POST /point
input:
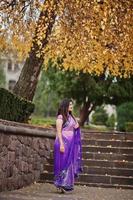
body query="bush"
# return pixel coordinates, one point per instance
(129, 126)
(14, 108)
(2, 77)
(100, 116)
(111, 121)
(124, 115)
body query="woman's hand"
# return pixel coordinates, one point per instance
(62, 148)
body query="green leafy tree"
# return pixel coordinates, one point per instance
(87, 91)
(120, 91)
(45, 99)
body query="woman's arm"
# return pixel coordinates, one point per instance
(59, 123)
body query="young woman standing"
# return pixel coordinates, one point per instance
(67, 148)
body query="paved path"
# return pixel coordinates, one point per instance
(40, 191)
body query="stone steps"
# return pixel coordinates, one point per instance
(107, 136)
(104, 156)
(107, 161)
(100, 170)
(107, 156)
(109, 149)
(96, 178)
(111, 143)
(101, 154)
(103, 185)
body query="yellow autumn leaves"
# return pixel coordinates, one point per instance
(90, 35)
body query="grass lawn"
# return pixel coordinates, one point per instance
(96, 127)
(43, 121)
(50, 122)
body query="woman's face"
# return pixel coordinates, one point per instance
(70, 108)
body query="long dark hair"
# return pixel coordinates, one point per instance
(63, 110)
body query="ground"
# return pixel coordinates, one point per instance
(41, 191)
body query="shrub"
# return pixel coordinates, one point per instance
(111, 121)
(129, 126)
(14, 108)
(100, 116)
(124, 115)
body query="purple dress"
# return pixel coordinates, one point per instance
(67, 165)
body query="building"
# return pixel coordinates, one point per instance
(12, 69)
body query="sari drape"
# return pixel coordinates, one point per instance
(68, 165)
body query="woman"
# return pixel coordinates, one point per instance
(67, 148)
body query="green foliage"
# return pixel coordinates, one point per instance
(120, 91)
(100, 116)
(49, 121)
(81, 86)
(56, 84)
(46, 98)
(14, 108)
(111, 121)
(96, 127)
(2, 76)
(129, 126)
(124, 115)
(76, 85)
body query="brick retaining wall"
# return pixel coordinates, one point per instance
(24, 150)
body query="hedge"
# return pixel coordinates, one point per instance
(124, 115)
(129, 126)
(99, 117)
(14, 108)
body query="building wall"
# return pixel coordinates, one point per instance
(12, 69)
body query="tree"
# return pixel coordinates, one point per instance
(45, 98)
(27, 82)
(103, 45)
(87, 91)
(120, 91)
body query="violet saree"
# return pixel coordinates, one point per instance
(68, 165)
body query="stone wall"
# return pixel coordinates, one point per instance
(24, 150)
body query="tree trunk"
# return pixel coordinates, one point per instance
(27, 82)
(85, 111)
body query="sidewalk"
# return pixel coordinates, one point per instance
(41, 191)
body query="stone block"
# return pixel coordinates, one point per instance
(11, 156)
(12, 145)
(41, 144)
(4, 151)
(6, 141)
(42, 152)
(18, 151)
(4, 163)
(35, 144)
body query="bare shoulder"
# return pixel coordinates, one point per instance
(59, 121)
(60, 117)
